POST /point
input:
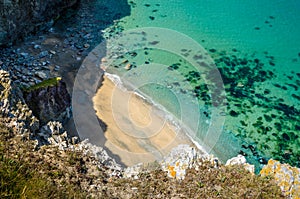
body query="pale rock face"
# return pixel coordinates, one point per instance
(236, 160)
(286, 176)
(19, 117)
(41, 75)
(133, 172)
(13, 108)
(240, 160)
(180, 158)
(100, 155)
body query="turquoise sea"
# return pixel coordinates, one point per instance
(255, 45)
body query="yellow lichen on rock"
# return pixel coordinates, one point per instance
(286, 176)
(171, 171)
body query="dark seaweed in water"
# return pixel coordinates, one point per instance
(151, 17)
(174, 66)
(250, 72)
(233, 113)
(293, 86)
(285, 137)
(268, 118)
(296, 97)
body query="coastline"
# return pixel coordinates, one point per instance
(136, 130)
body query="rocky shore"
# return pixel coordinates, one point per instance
(18, 20)
(38, 116)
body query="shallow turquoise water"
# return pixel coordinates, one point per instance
(256, 47)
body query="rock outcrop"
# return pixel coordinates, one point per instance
(13, 108)
(185, 157)
(50, 102)
(240, 160)
(20, 18)
(19, 117)
(286, 176)
(179, 159)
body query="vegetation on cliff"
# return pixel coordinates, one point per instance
(52, 173)
(48, 82)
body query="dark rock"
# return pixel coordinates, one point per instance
(18, 19)
(272, 63)
(174, 66)
(296, 96)
(278, 126)
(49, 103)
(242, 153)
(233, 113)
(293, 86)
(25, 55)
(285, 137)
(277, 85)
(151, 17)
(153, 42)
(263, 160)
(267, 118)
(243, 123)
(267, 91)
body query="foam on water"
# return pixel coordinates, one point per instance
(178, 126)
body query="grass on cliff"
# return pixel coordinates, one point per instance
(207, 182)
(26, 173)
(48, 82)
(22, 177)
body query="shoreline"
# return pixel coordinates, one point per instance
(141, 135)
(165, 113)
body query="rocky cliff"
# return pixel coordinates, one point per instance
(183, 173)
(50, 102)
(20, 18)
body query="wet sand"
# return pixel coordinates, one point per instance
(136, 131)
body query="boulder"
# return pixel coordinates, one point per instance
(179, 160)
(286, 176)
(240, 160)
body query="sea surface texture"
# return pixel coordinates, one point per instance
(255, 45)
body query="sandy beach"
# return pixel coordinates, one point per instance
(135, 130)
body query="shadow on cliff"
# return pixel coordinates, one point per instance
(85, 21)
